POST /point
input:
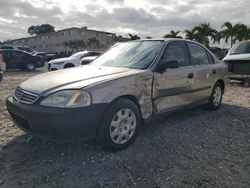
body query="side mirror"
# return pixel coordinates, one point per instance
(167, 64)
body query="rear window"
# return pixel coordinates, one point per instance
(240, 48)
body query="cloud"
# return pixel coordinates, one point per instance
(143, 17)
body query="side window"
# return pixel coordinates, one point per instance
(198, 54)
(210, 58)
(18, 54)
(6, 55)
(176, 51)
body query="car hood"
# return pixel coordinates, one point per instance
(237, 57)
(72, 78)
(61, 60)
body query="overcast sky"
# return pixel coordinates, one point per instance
(143, 17)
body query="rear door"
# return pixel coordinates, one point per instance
(17, 59)
(174, 87)
(7, 59)
(204, 72)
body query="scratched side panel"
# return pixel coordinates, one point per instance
(136, 83)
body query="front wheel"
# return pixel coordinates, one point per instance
(215, 98)
(30, 67)
(121, 124)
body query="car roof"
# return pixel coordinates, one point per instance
(166, 40)
(12, 50)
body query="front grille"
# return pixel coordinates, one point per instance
(22, 122)
(25, 96)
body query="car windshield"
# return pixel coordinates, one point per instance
(137, 54)
(78, 55)
(240, 48)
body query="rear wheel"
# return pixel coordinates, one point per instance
(246, 82)
(30, 67)
(215, 98)
(120, 125)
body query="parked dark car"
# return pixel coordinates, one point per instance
(46, 56)
(1, 65)
(16, 59)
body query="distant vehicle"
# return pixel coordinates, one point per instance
(16, 47)
(88, 60)
(16, 59)
(46, 56)
(238, 60)
(72, 61)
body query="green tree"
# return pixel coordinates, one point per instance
(204, 32)
(93, 43)
(229, 32)
(75, 45)
(120, 38)
(190, 34)
(133, 37)
(172, 34)
(40, 29)
(242, 32)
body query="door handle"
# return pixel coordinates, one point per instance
(190, 75)
(214, 71)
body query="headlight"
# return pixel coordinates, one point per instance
(68, 99)
(58, 63)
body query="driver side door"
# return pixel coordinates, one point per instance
(171, 88)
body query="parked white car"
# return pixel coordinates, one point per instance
(238, 60)
(72, 61)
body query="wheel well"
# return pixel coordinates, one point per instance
(130, 97)
(222, 84)
(68, 65)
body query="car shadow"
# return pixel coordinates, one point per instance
(163, 143)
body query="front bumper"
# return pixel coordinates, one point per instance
(238, 76)
(53, 67)
(56, 123)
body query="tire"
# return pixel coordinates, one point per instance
(69, 65)
(120, 125)
(216, 98)
(246, 83)
(30, 67)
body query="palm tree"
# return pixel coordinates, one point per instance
(204, 33)
(190, 34)
(229, 32)
(217, 36)
(133, 37)
(172, 34)
(242, 32)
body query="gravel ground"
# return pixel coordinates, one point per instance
(191, 148)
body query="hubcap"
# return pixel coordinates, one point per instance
(217, 96)
(30, 66)
(122, 126)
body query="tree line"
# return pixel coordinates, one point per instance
(204, 34)
(78, 44)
